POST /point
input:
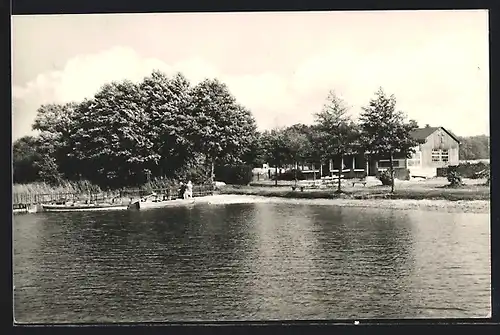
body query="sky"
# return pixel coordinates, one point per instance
(280, 65)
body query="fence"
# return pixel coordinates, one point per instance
(21, 200)
(40, 198)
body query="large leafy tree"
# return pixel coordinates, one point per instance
(255, 155)
(218, 127)
(274, 144)
(312, 152)
(165, 102)
(386, 132)
(55, 124)
(297, 145)
(337, 133)
(25, 156)
(161, 127)
(112, 138)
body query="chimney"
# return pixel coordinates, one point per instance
(427, 126)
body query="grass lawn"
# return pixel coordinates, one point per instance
(434, 188)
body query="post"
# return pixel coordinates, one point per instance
(353, 163)
(367, 162)
(276, 176)
(295, 173)
(212, 168)
(340, 172)
(392, 173)
(320, 169)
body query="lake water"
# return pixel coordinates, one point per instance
(250, 262)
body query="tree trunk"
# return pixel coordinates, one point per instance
(276, 176)
(212, 175)
(211, 172)
(295, 173)
(341, 167)
(392, 173)
(314, 171)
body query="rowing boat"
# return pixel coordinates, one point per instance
(82, 207)
(147, 204)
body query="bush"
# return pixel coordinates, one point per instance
(488, 178)
(385, 177)
(454, 176)
(402, 174)
(234, 174)
(473, 170)
(158, 183)
(198, 174)
(48, 171)
(289, 175)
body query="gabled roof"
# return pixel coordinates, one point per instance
(422, 133)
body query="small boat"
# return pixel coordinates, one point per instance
(147, 204)
(26, 209)
(19, 210)
(82, 207)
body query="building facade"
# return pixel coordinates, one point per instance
(439, 149)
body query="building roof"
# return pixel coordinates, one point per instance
(422, 133)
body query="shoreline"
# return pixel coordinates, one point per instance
(439, 205)
(433, 190)
(458, 206)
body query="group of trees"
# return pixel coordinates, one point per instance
(474, 147)
(380, 131)
(164, 127)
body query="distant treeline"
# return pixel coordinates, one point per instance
(164, 128)
(474, 147)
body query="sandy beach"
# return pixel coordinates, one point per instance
(474, 206)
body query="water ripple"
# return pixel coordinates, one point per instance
(250, 262)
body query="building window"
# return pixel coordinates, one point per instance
(415, 159)
(444, 155)
(385, 163)
(435, 155)
(440, 156)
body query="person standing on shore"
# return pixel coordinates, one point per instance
(188, 193)
(182, 190)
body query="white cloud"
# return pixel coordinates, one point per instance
(264, 94)
(442, 82)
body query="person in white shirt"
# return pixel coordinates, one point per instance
(188, 193)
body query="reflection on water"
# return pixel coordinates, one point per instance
(250, 262)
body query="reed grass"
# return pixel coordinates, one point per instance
(159, 183)
(83, 186)
(85, 190)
